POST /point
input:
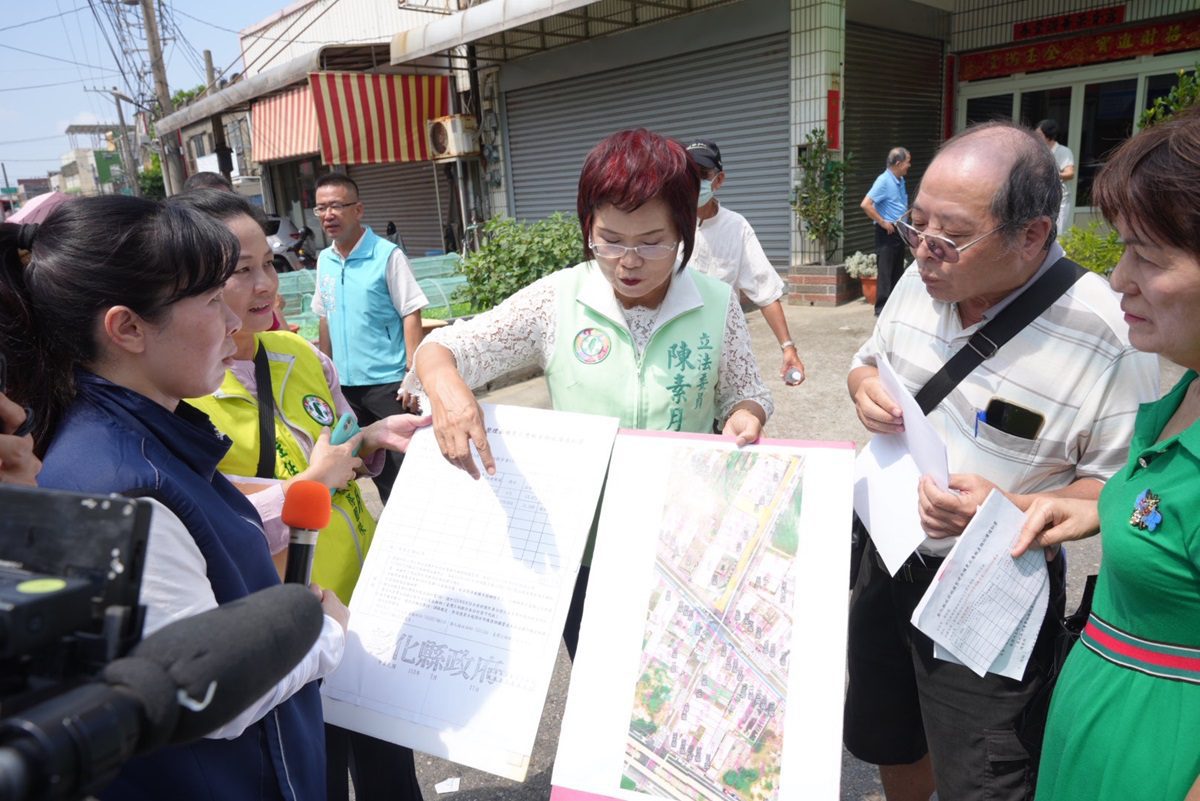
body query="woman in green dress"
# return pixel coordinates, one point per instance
(1125, 717)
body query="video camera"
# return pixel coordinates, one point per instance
(80, 693)
(70, 573)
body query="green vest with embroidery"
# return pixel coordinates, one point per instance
(303, 400)
(670, 386)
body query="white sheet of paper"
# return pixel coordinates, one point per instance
(447, 785)
(708, 645)
(887, 471)
(456, 619)
(885, 498)
(920, 438)
(983, 606)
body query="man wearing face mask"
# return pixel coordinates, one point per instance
(727, 248)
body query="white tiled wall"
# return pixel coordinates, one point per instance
(818, 31)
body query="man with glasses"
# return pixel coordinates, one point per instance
(981, 230)
(370, 309)
(887, 200)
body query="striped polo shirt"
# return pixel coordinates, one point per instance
(1073, 365)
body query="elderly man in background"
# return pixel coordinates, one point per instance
(885, 203)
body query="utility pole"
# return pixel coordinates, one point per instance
(125, 151)
(171, 162)
(217, 122)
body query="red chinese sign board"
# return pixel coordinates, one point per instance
(1068, 23)
(1163, 37)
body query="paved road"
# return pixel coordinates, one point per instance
(819, 409)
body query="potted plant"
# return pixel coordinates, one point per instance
(862, 266)
(817, 199)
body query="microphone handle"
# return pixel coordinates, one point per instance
(301, 547)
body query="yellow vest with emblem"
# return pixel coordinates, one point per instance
(303, 400)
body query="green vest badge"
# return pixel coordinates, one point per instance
(592, 345)
(318, 409)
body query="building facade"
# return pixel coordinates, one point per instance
(543, 81)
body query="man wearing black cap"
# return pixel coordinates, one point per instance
(727, 248)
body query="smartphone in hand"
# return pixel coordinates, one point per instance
(344, 429)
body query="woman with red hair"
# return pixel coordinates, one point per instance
(628, 332)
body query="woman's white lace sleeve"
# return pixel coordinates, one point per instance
(739, 378)
(517, 333)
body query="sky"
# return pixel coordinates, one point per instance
(55, 32)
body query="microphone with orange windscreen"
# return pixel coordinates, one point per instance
(306, 509)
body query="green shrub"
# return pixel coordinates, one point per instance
(515, 254)
(1096, 247)
(1185, 93)
(817, 199)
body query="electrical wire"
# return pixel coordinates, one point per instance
(299, 16)
(36, 139)
(52, 58)
(43, 85)
(117, 59)
(91, 101)
(43, 19)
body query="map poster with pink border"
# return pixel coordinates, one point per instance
(711, 660)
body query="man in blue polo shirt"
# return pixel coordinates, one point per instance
(884, 204)
(370, 309)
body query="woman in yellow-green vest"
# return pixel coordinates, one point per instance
(277, 402)
(628, 333)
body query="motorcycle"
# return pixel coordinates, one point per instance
(290, 247)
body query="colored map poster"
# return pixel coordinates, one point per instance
(708, 706)
(711, 658)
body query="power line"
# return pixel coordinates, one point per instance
(117, 59)
(52, 58)
(264, 38)
(40, 86)
(43, 19)
(190, 53)
(71, 48)
(299, 16)
(35, 139)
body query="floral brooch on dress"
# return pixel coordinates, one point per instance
(1145, 511)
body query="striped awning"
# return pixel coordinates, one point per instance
(368, 118)
(284, 126)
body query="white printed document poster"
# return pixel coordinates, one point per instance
(456, 620)
(711, 660)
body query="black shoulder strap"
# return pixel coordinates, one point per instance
(266, 414)
(984, 343)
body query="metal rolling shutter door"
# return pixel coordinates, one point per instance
(403, 194)
(893, 97)
(736, 95)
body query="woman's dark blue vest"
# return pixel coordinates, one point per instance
(114, 440)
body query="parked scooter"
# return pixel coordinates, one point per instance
(392, 234)
(290, 247)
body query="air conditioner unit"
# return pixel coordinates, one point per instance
(452, 137)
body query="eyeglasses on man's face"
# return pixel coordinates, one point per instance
(940, 247)
(336, 208)
(610, 250)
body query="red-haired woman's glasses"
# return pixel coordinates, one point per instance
(940, 247)
(610, 250)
